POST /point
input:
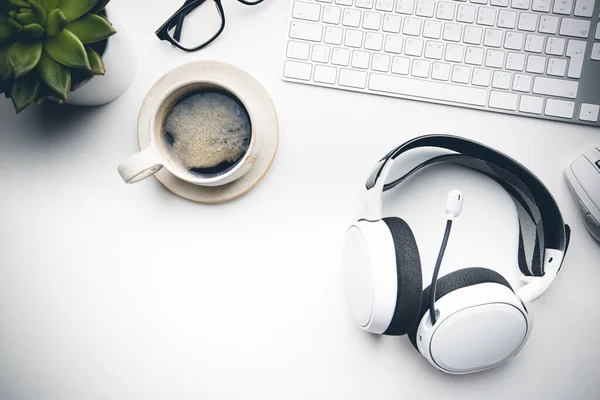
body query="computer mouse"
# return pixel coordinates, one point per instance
(583, 177)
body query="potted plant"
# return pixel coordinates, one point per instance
(64, 50)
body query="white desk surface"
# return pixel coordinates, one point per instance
(109, 291)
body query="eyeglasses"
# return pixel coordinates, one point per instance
(204, 22)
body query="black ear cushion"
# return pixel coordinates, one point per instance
(453, 281)
(410, 282)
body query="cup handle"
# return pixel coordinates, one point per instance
(140, 165)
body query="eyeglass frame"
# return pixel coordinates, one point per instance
(163, 32)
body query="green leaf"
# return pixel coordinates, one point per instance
(56, 22)
(24, 92)
(33, 31)
(38, 11)
(6, 28)
(91, 28)
(18, 3)
(74, 9)
(6, 70)
(12, 13)
(49, 5)
(56, 76)
(26, 18)
(96, 62)
(24, 56)
(100, 6)
(67, 50)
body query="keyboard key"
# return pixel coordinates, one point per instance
(364, 3)
(597, 37)
(474, 55)
(466, 13)
(297, 70)
(332, 15)
(412, 26)
(452, 32)
(384, 5)
(494, 58)
(352, 78)
(559, 108)
(445, 10)
(584, 8)
(432, 29)
(555, 87)
(557, 67)
(481, 77)
(527, 22)
(400, 65)
(515, 61)
(522, 83)
(381, 62)
(306, 31)
(454, 52)
(372, 20)
(340, 56)
(405, 6)
(500, 3)
(413, 47)
(536, 64)
(507, 19)
(575, 27)
(391, 23)
(373, 41)
(596, 52)
(576, 51)
(478, 1)
(333, 35)
(589, 112)
(473, 34)
(434, 50)
(548, 24)
(344, 2)
(425, 8)
(351, 17)
(420, 68)
(493, 37)
(514, 41)
(501, 80)
(393, 44)
(541, 5)
(520, 4)
(298, 50)
(461, 74)
(503, 100)
(440, 71)
(428, 89)
(486, 16)
(320, 53)
(534, 43)
(361, 59)
(354, 38)
(555, 46)
(325, 74)
(306, 11)
(531, 104)
(563, 7)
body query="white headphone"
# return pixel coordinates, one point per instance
(469, 320)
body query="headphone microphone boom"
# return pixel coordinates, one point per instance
(471, 319)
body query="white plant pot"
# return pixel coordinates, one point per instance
(120, 63)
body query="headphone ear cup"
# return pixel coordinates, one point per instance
(451, 282)
(410, 281)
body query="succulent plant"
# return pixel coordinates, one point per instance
(49, 47)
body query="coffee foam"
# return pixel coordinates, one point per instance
(207, 129)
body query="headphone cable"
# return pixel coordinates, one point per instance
(436, 272)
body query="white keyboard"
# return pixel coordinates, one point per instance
(539, 58)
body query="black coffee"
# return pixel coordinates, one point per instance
(207, 132)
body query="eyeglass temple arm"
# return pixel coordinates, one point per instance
(179, 26)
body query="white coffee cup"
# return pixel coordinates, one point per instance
(150, 160)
